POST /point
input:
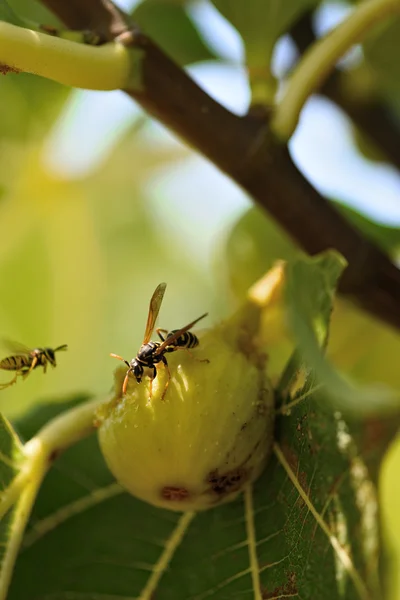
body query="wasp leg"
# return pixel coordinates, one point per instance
(3, 386)
(44, 368)
(33, 365)
(164, 360)
(151, 382)
(162, 331)
(204, 360)
(125, 384)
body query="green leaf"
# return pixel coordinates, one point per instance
(34, 11)
(170, 26)
(309, 294)
(385, 236)
(8, 15)
(253, 246)
(11, 453)
(260, 24)
(293, 533)
(256, 242)
(11, 460)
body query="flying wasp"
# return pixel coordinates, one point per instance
(151, 353)
(25, 360)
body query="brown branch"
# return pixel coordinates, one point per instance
(243, 148)
(99, 16)
(369, 114)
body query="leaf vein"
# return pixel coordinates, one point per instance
(161, 565)
(219, 586)
(251, 539)
(342, 554)
(49, 523)
(9, 462)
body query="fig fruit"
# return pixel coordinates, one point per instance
(213, 431)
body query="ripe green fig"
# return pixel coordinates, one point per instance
(212, 432)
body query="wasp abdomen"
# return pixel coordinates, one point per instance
(186, 340)
(14, 363)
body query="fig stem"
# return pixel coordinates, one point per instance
(264, 294)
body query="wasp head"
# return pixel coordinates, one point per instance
(137, 370)
(49, 354)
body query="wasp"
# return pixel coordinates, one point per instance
(151, 353)
(26, 359)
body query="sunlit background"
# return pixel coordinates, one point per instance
(99, 204)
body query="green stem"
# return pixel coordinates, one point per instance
(11, 494)
(105, 67)
(62, 432)
(321, 58)
(37, 470)
(68, 428)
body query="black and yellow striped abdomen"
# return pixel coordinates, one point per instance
(16, 363)
(186, 340)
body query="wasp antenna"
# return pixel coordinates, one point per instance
(119, 358)
(62, 347)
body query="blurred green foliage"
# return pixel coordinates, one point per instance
(170, 25)
(80, 257)
(383, 62)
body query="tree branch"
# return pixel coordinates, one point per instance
(244, 149)
(100, 16)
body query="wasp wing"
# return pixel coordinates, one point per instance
(16, 347)
(154, 309)
(177, 334)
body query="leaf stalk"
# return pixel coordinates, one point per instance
(321, 58)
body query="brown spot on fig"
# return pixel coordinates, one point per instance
(174, 494)
(228, 482)
(5, 69)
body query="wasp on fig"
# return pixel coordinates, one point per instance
(151, 353)
(25, 360)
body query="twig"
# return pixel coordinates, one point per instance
(368, 113)
(320, 59)
(78, 65)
